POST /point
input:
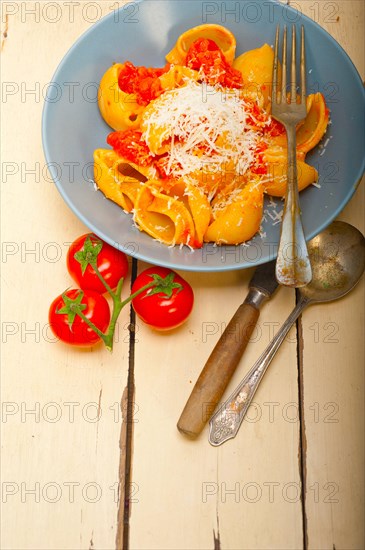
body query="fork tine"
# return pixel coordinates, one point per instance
(275, 74)
(284, 69)
(302, 68)
(293, 88)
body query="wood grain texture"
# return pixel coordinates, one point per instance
(333, 361)
(64, 422)
(226, 486)
(59, 462)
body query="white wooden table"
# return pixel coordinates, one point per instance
(77, 470)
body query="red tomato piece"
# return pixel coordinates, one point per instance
(112, 263)
(199, 53)
(275, 128)
(129, 145)
(127, 77)
(205, 55)
(256, 116)
(141, 81)
(161, 163)
(79, 333)
(158, 310)
(259, 166)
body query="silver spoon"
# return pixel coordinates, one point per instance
(337, 256)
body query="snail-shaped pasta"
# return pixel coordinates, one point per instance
(312, 129)
(121, 189)
(198, 205)
(256, 67)
(310, 133)
(118, 109)
(275, 180)
(240, 218)
(221, 36)
(179, 216)
(164, 218)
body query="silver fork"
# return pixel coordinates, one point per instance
(292, 265)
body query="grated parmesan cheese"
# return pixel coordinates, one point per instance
(208, 131)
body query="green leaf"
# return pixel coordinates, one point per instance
(164, 285)
(89, 253)
(71, 307)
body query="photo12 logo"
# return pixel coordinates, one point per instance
(255, 11)
(51, 492)
(252, 492)
(249, 12)
(70, 11)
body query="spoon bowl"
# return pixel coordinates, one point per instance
(338, 260)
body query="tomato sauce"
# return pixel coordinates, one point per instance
(129, 145)
(204, 55)
(141, 81)
(259, 166)
(275, 128)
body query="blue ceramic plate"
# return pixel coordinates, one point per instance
(144, 32)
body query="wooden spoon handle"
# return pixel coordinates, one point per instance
(218, 371)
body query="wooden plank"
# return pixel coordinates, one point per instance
(204, 492)
(61, 417)
(333, 363)
(60, 462)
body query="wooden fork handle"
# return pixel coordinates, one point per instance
(218, 371)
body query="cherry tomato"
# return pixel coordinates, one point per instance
(111, 263)
(79, 333)
(155, 307)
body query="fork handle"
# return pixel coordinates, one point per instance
(293, 266)
(219, 369)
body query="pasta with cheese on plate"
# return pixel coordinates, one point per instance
(199, 130)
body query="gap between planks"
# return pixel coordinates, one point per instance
(126, 437)
(302, 447)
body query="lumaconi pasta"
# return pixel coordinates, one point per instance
(115, 186)
(200, 131)
(221, 36)
(119, 110)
